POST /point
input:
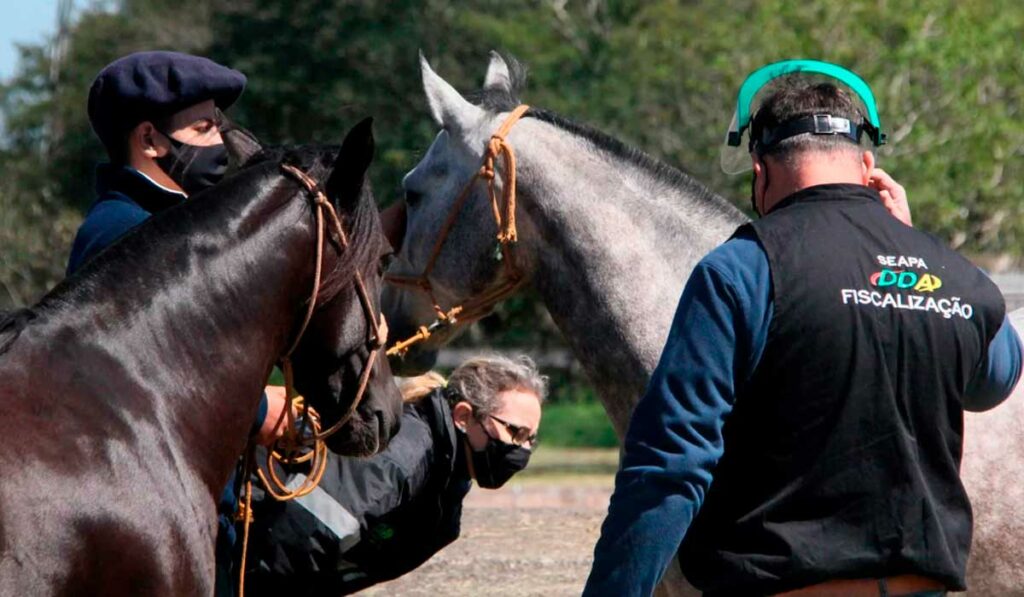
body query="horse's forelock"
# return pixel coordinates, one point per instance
(360, 223)
(499, 99)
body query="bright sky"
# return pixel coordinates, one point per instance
(24, 21)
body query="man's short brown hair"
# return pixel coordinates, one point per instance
(793, 97)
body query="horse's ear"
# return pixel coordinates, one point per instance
(349, 173)
(498, 76)
(449, 109)
(241, 145)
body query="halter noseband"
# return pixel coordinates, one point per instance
(480, 305)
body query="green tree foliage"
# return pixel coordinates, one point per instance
(661, 74)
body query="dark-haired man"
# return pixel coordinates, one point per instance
(158, 116)
(818, 367)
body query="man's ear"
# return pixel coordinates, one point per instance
(867, 165)
(462, 412)
(758, 185)
(145, 140)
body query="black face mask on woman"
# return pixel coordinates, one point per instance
(497, 462)
(194, 167)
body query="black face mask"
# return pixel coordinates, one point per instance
(497, 462)
(194, 167)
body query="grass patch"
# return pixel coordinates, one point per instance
(576, 424)
(549, 463)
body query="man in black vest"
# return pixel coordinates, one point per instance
(818, 365)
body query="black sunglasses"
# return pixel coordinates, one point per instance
(521, 436)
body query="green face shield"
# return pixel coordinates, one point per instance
(756, 88)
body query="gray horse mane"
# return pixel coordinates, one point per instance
(500, 99)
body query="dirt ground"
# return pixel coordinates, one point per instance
(533, 537)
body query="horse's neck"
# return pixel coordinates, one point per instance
(615, 242)
(199, 334)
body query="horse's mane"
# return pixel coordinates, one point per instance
(361, 225)
(11, 325)
(497, 100)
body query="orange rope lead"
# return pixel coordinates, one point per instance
(480, 305)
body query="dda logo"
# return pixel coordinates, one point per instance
(888, 278)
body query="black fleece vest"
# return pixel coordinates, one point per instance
(842, 454)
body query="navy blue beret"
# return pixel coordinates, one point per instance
(153, 85)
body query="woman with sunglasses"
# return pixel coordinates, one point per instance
(375, 519)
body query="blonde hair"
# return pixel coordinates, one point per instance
(414, 389)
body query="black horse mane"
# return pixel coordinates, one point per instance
(11, 325)
(497, 100)
(361, 225)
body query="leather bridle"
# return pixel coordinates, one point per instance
(481, 304)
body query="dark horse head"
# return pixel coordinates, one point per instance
(334, 349)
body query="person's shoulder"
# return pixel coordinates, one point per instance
(111, 217)
(115, 210)
(738, 258)
(411, 450)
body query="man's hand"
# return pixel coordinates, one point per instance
(276, 402)
(894, 196)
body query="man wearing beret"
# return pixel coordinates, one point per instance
(158, 115)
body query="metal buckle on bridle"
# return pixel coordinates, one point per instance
(479, 305)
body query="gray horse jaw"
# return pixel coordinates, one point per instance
(612, 242)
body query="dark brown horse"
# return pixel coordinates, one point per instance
(129, 390)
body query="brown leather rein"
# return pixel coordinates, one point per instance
(375, 337)
(304, 442)
(477, 306)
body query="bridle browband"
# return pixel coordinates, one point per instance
(479, 305)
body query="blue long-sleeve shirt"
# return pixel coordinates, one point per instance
(675, 436)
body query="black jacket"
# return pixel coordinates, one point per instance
(371, 519)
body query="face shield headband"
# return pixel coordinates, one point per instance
(736, 160)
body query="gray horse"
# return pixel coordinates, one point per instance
(607, 238)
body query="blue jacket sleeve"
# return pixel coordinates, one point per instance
(261, 414)
(675, 435)
(999, 373)
(108, 220)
